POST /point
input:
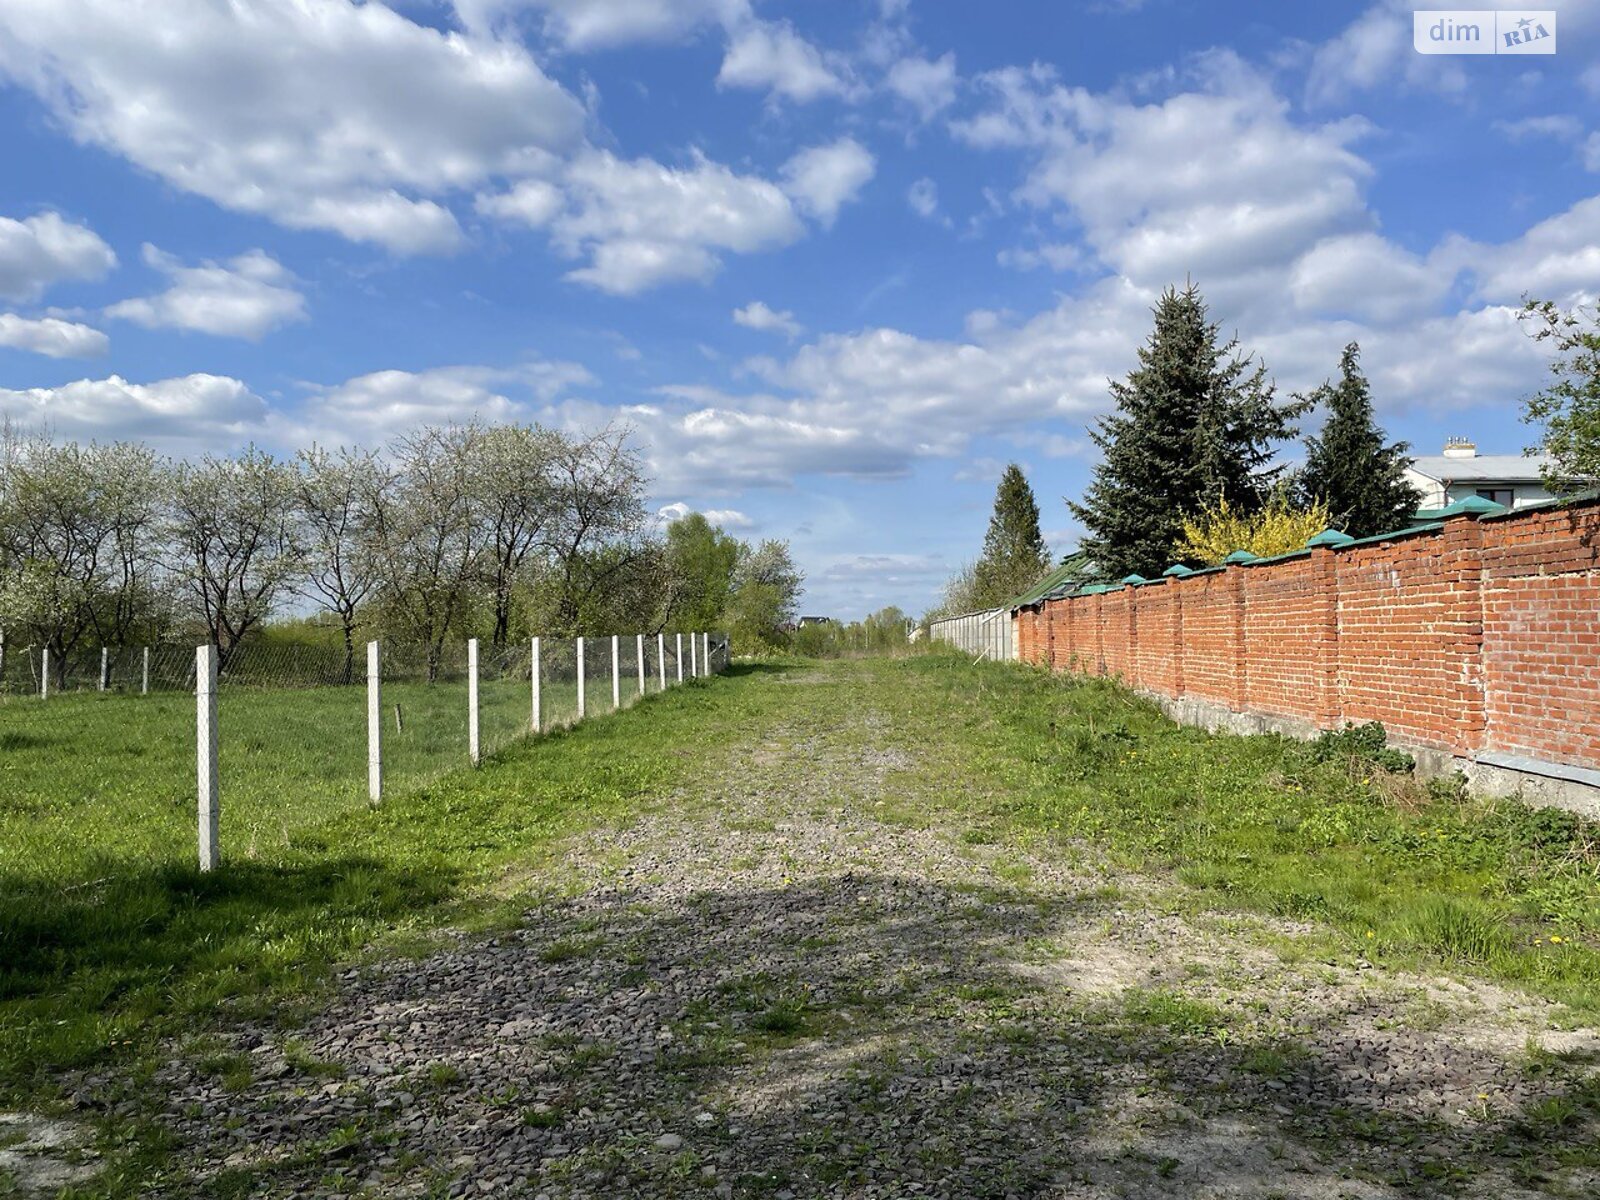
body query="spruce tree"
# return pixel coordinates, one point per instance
(1195, 423)
(1014, 553)
(1349, 468)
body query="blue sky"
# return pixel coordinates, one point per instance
(834, 263)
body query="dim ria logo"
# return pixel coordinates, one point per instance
(1483, 31)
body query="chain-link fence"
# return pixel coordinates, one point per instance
(33, 670)
(103, 756)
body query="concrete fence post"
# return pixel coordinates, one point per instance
(374, 724)
(679, 657)
(661, 659)
(535, 672)
(638, 654)
(694, 656)
(705, 654)
(105, 667)
(474, 750)
(616, 673)
(580, 679)
(205, 758)
(44, 674)
(144, 677)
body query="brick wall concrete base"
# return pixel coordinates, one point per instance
(1533, 781)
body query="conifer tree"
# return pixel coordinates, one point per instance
(1014, 552)
(1349, 468)
(1195, 424)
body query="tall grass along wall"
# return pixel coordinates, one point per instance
(1474, 640)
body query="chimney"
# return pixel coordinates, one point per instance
(1460, 447)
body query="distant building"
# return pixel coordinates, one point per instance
(804, 621)
(1509, 479)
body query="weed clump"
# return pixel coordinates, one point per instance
(1362, 744)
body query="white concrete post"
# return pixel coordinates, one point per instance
(679, 657)
(205, 756)
(638, 654)
(580, 679)
(694, 656)
(472, 700)
(536, 673)
(616, 673)
(661, 659)
(105, 667)
(44, 674)
(144, 678)
(705, 654)
(374, 724)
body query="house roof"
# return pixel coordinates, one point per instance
(1496, 468)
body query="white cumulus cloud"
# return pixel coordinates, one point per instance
(927, 85)
(770, 55)
(246, 297)
(757, 315)
(318, 114)
(822, 179)
(190, 412)
(45, 249)
(596, 24)
(370, 408)
(642, 223)
(727, 518)
(52, 336)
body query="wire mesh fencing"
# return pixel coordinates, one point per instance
(31, 669)
(108, 757)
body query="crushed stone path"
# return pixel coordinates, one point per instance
(774, 991)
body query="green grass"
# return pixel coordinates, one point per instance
(111, 941)
(94, 783)
(1327, 833)
(109, 936)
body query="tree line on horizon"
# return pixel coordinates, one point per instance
(1190, 468)
(452, 531)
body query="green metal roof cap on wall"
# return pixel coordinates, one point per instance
(1064, 576)
(1330, 537)
(1474, 506)
(1177, 571)
(1134, 579)
(1241, 556)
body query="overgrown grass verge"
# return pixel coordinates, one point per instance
(1332, 833)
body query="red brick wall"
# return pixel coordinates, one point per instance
(1484, 635)
(1211, 661)
(1116, 633)
(1155, 655)
(1541, 635)
(1287, 636)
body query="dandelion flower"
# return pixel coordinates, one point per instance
(1555, 940)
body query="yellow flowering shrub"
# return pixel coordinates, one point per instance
(1278, 528)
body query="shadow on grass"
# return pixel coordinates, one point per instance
(27, 741)
(85, 965)
(756, 668)
(853, 1035)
